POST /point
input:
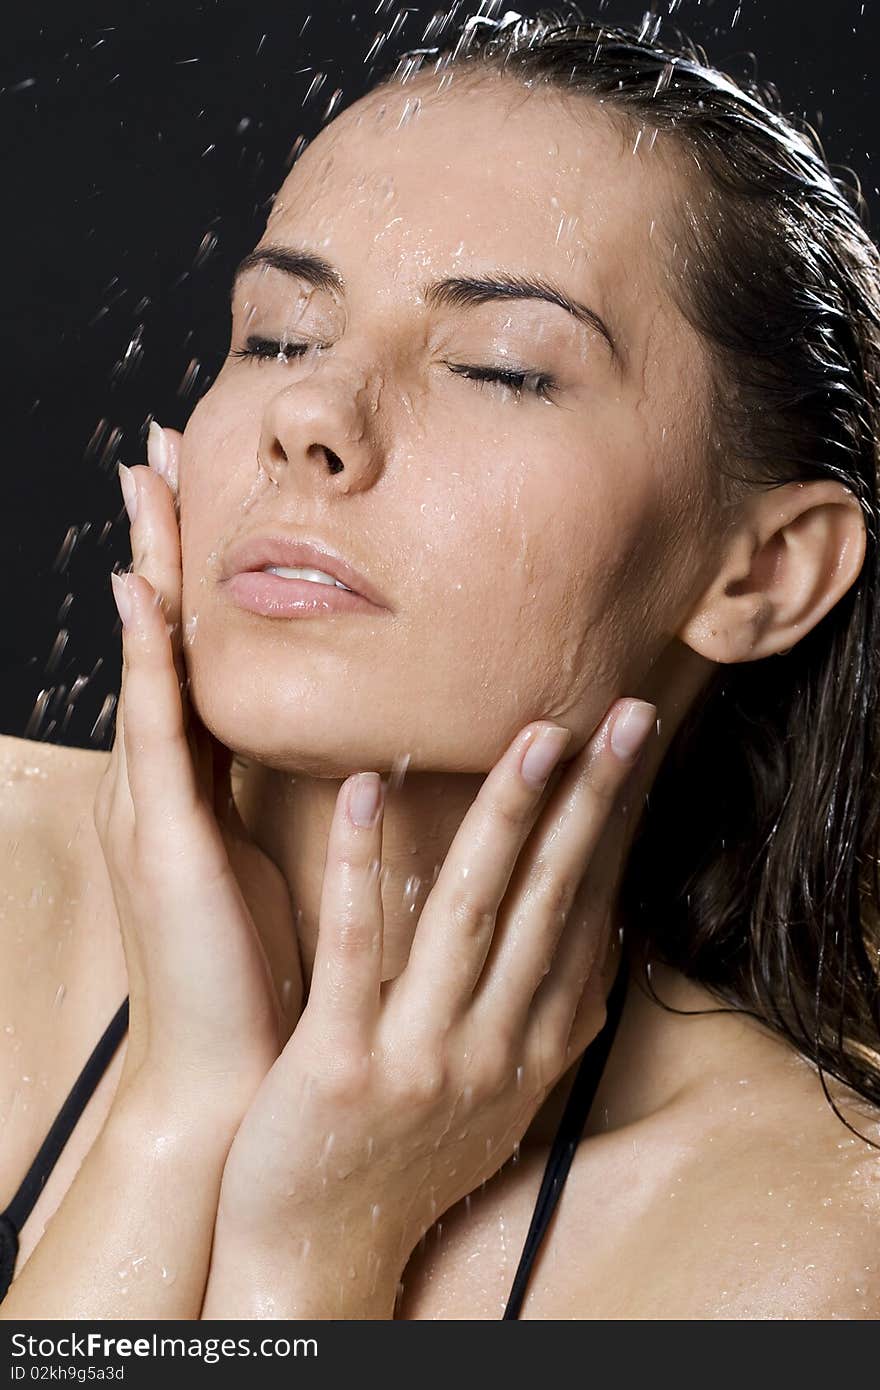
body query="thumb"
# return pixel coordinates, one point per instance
(165, 445)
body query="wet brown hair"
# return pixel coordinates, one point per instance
(754, 870)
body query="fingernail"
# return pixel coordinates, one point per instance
(122, 597)
(159, 452)
(631, 727)
(364, 798)
(543, 753)
(129, 491)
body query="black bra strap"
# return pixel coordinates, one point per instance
(22, 1204)
(574, 1117)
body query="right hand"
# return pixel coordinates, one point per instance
(403, 1096)
(205, 1020)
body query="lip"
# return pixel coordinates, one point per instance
(253, 553)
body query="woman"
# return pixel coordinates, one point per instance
(583, 408)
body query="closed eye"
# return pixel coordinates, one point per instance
(265, 349)
(534, 383)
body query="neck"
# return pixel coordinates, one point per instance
(289, 817)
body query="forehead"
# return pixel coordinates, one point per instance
(478, 174)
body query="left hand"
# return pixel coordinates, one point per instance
(391, 1101)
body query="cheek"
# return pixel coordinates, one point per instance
(221, 432)
(224, 428)
(503, 582)
(577, 604)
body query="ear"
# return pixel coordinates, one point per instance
(790, 556)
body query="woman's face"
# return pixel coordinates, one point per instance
(538, 551)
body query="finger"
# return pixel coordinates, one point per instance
(589, 946)
(346, 976)
(553, 1038)
(579, 836)
(156, 555)
(114, 781)
(455, 928)
(155, 532)
(158, 761)
(120, 786)
(580, 1026)
(163, 454)
(164, 459)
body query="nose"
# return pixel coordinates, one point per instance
(316, 432)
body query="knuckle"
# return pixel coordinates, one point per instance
(471, 918)
(349, 864)
(354, 936)
(512, 809)
(558, 893)
(424, 1078)
(603, 783)
(430, 1083)
(496, 1068)
(344, 1083)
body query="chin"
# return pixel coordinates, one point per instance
(334, 718)
(289, 728)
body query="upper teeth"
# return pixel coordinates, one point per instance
(301, 572)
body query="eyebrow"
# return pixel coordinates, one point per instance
(458, 291)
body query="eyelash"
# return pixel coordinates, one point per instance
(538, 384)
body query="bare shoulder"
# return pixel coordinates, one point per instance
(62, 968)
(47, 847)
(49, 928)
(770, 1210)
(46, 798)
(27, 767)
(773, 1217)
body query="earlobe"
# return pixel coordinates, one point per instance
(796, 552)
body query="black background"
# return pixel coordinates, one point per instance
(140, 154)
